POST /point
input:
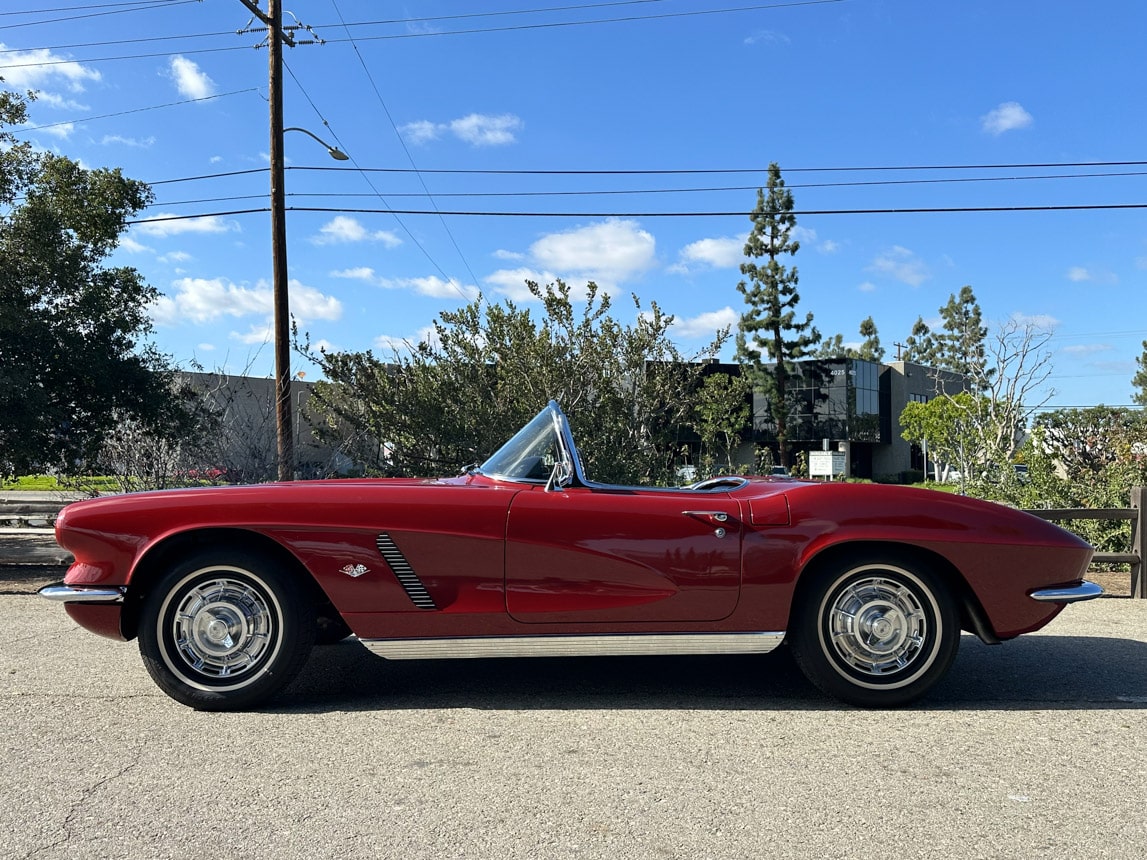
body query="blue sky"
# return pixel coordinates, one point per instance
(654, 108)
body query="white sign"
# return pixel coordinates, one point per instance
(825, 464)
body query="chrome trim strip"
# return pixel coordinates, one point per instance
(82, 594)
(610, 645)
(1084, 591)
(405, 574)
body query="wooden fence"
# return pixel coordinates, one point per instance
(1137, 514)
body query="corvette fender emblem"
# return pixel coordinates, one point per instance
(354, 570)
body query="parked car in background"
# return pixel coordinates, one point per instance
(227, 588)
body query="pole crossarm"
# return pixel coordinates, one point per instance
(269, 21)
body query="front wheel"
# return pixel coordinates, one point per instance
(877, 633)
(225, 629)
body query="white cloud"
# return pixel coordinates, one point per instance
(431, 285)
(512, 282)
(128, 141)
(608, 251)
(156, 226)
(174, 257)
(1045, 322)
(205, 347)
(706, 324)
(422, 131)
(767, 37)
(54, 100)
(487, 130)
(258, 333)
(721, 253)
(388, 344)
(1078, 274)
(58, 129)
(475, 129)
(903, 265)
(343, 229)
(189, 80)
(867, 287)
(130, 245)
(40, 67)
(828, 246)
(202, 300)
(1008, 116)
(511, 256)
(1083, 349)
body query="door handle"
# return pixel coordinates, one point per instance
(719, 516)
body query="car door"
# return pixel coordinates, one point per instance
(598, 555)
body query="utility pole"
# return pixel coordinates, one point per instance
(283, 418)
(285, 442)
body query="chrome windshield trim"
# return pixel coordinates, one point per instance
(1073, 594)
(608, 645)
(82, 594)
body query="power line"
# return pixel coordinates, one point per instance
(612, 192)
(409, 158)
(803, 213)
(24, 129)
(158, 4)
(475, 31)
(78, 8)
(686, 171)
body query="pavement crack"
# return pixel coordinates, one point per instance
(85, 796)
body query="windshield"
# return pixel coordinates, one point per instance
(532, 452)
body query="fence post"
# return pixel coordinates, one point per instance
(1138, 539)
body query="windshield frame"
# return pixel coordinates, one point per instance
(519, 458)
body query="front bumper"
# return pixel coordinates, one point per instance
(82, 593)
(1072, 594)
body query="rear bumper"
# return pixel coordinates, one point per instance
(1072, 594)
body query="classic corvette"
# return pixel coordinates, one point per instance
(227, 589)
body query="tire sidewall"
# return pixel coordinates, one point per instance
(291, 631)
(826, 667)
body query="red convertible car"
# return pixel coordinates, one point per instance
(227, 589)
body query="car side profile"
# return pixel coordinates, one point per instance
(227, 589)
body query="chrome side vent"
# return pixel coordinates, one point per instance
(405, 574)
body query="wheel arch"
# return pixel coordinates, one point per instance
(973, 618)
(159, 557)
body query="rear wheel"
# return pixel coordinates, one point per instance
(225, 629)
(876, 633)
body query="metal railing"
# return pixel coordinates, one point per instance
(1137, 514)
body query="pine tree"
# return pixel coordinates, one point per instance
(870, 349)
(1139, 380)
(768, 329)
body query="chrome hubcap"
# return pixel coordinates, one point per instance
(222, 627)
(877, 625)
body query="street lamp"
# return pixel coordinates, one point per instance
(334, 152)
(280, 295)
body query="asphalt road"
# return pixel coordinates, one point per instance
(1037, 748)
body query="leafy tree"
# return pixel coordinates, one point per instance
(960, 345)
(869, 350)
(1082, 458)
(1139, 380)
(945, 424)
(72, 363)
(456, 397)
(721, 413)
(769, 327)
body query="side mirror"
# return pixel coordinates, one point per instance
(559, 477)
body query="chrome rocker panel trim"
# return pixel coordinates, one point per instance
(1084, 591)
(82, 594)
(611, 645)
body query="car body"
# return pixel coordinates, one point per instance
(227, 588)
